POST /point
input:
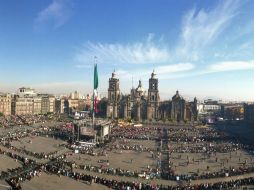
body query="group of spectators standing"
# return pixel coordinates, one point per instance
(20, 120)
(139, 133)
(59, 166)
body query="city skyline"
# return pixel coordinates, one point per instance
(201, 48)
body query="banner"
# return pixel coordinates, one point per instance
(87, 131)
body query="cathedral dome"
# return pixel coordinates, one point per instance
(177, 96)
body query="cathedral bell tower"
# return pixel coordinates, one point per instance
(113, 97)
(153, 98)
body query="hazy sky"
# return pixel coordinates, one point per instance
(202, 48)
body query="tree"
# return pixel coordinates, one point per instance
(1, 114)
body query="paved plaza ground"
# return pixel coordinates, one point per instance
(53, 182)
(117, 159)
(8, 163)
(3, 185)
(201, 162)
(185, 144)
(39, 144)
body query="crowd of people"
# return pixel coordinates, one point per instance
(204, 147)
(18, 158)
(13, 120)
(104, 169)
(83, 149)
(59, 168)
(29, 119)
(6, 141)
(139, 133)
(134, 147)
(207, 141)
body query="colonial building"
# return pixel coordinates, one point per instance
(5, 104)
(47, 103)
(178, 111)
(26, 101)
(139, 106)
(37, 105)
(191, 110)
(135, 105)
(22, 105)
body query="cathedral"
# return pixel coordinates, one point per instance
(141, 106)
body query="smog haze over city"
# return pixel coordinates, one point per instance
(201, 48)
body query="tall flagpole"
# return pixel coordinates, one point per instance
(95, 62)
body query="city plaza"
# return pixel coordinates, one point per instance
(152, 156)
(176, 113)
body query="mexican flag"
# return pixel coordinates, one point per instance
(95, 86)
(95, 78)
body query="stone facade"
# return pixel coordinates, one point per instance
(181, 110)
(36, 105)
(113, 97)
(22, 105)
(5, 104)
(139, 106)
(26, 101)
(47, 103)
(153, 98)
(135, 105)
(178, 111)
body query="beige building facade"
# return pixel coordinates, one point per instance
(32, 105)
(27, 101)
(5, 104)
(22, 106)
(73, 105)
(36, 105)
